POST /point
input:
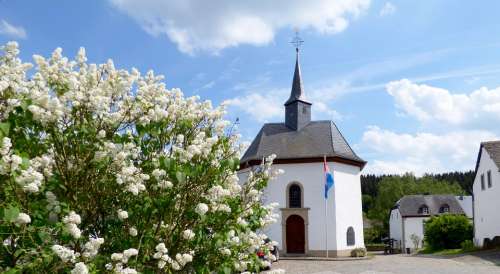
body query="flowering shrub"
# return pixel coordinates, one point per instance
(107, 170)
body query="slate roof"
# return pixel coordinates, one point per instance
(316, 139)
(409, 205)
(493, 149)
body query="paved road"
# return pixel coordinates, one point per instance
(395, 264)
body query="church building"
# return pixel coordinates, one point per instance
(305, 221)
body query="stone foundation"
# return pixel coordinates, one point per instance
(322, 253)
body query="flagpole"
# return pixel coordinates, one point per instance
(326, 226)
(326, 212)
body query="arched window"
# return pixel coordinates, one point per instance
(351, 238)
(295, 196)
(444, 208)
(423, 209)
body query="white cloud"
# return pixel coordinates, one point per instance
(265, 104)
(325, 110)
(387, 9)
(431, 104)
(422, 152)
(197, 25)
(261, 107)
(10, 30)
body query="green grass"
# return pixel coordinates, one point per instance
(455, 251)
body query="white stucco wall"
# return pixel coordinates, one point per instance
(413, 225)
(344, 203)
(466, 204)
(348, 205)
(395, 225)
(486, 202)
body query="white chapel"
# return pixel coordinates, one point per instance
(300, 146)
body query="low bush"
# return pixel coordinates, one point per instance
(447, 231)
(374, 234)
(467, 245)
(358, 252)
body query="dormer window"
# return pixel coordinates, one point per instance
(423, 210)
(444, 209)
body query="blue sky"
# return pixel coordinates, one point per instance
(413, 85)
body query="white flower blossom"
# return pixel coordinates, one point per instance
(163, 184)
(130, 252)
(72, 220)
(91, 248)
(80, 268)
(64, 253)
(183, 259)
(101, 134)
(201, 209)
(23, 219)
(30, 180)
(188, 234)
(132, 231)
(122, 214)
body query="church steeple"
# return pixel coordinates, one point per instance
(297, 108)
(297, 86)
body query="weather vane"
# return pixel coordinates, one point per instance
(297, 41)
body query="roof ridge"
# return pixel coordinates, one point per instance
(491, 142)
(345, 141)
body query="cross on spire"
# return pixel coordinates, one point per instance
(297, 41)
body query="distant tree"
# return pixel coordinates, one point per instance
(415, 239)
(367, 202)
(370, 183)
(392, 188)
(464, 179)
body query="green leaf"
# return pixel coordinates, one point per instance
(180, 176)
(4, 128)
(10, 213)
(18, 252)
(44, 236)
(12, 271)
(25, 163)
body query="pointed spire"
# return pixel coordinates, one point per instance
(297, 93)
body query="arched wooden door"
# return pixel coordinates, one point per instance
(295, 235)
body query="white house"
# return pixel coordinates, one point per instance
(301, 145)
(486, 191)
(408, 216)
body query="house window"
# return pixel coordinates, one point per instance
(423, 210)
(489, 179)
(295, 196)
(350, 236)
(482, 182)
(444, 208)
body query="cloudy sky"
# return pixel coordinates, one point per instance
(413, 85)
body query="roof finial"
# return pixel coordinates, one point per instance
(297, 41)
(297, 88)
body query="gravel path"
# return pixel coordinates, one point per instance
(395, 264)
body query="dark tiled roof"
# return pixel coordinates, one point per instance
(317, 139)
(409, 205)
(493, 149)
(297, 93)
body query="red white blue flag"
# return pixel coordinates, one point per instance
(328, 177)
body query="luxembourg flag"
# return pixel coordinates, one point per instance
(328, 177)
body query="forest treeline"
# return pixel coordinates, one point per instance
(381, 192)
